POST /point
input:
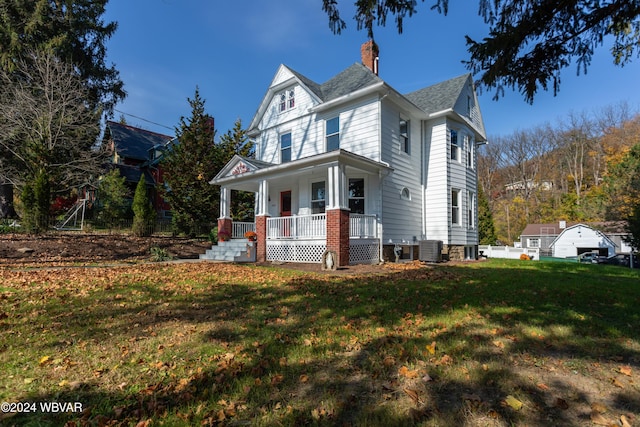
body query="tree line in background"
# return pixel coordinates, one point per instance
(584, 168)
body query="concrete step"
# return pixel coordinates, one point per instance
(237, 250)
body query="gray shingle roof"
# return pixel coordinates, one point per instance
(439, 97)
(350, 80)
(134, 143)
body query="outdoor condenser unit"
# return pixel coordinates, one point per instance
(430, 250)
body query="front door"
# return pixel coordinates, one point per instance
(285, 210)
(285, 203)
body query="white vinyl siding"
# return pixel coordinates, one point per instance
(402, 216)
(437, 188)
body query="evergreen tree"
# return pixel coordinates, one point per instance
(234, 142)
(189, 165)
(36, 200)
(143, 213)
(486, 229)
(529, 42)
(71, 30)
(112, 192)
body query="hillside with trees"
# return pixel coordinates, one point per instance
(585, 167)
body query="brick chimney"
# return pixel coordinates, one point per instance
(369, 52)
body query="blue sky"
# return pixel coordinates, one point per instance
(232, 49)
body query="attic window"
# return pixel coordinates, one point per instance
(287, 100)
(405, 194)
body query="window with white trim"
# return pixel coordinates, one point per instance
(455, 206)
(405, 194)
(356, 195)
(455, 148)
(318, 197)
(469, 148)
(471, 203)
(287, 100)
(404, 136)
(285, 147)
(332, 134)
(533, 243)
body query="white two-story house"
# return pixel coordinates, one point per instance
(353, 166)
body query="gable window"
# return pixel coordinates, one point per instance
(356, 195)
(404, 136)
(471, 201)
(455, 148)
(287, 100)
(317, 197)
(455, 207)
(285, 147)
(333, 134)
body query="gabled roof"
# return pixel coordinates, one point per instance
(597, 232)
(441, 96)
(554, 229)
(134, 143)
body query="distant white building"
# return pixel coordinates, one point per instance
(579, 239)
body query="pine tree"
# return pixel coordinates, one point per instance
(234, 142)
(486, 229)
(112, 191)
(143, 213)
(189, 165)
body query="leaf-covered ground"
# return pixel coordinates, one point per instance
(80, 248)
(489, 343)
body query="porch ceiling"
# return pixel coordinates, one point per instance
(250, 180)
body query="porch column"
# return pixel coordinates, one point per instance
(225, 224)
(262, 213)
(338, 214)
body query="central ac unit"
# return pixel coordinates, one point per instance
(430, 250)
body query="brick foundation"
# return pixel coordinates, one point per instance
(338, 234)
(261, 241)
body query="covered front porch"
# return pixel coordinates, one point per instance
(303, 238)
(328, 202)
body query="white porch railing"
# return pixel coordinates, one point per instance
(363, 226)
(239, 228)
(297, 227)
(315, 227)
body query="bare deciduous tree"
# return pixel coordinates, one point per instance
(46, 124)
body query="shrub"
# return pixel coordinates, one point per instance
(525, 257)
(159, 254)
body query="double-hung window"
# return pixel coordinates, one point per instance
(404, 136)
(356, 195)
(318, 197)
(285, 147)
(455, 207)
(332, 134)
(455, 148)
(468, 142)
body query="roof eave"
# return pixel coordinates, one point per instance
(376, 87)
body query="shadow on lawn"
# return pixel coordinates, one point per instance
(355, 350)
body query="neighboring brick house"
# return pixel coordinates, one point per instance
(136, 152)
(354, 167)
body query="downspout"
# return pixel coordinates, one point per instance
(380, 227)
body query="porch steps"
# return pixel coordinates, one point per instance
(235, 250)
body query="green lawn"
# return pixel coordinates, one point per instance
(495, 343)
